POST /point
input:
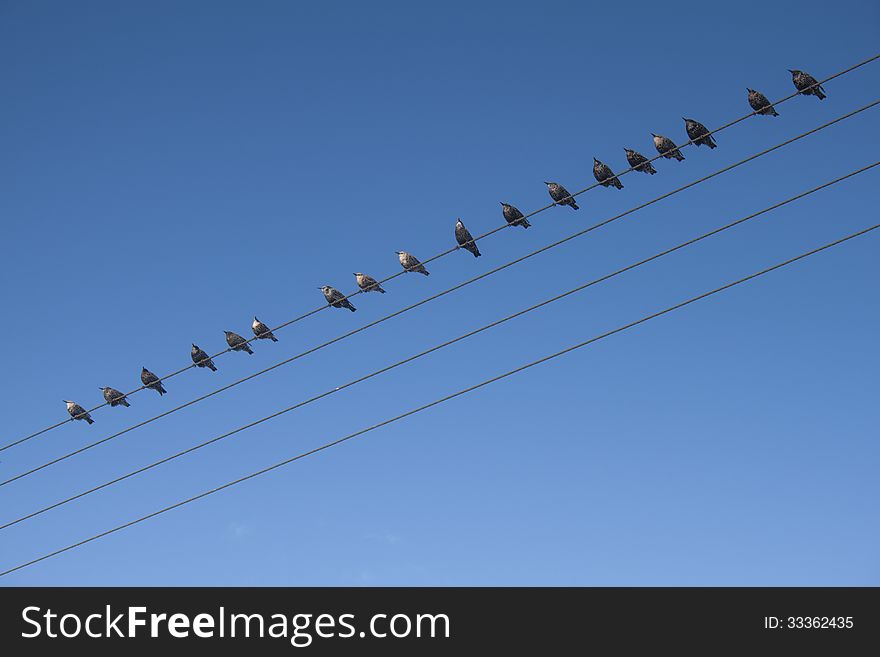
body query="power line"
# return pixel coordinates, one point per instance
(464, 336)
(439, 401)
(436, 296)
(448, 251)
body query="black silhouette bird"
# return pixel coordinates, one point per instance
(335, 298)
(513, 216)
(806, 84)
(639, 162)
(77, 412)
(262, 331)
(698, 133)
(200, 358)
(237, 343)
(114, 397)
(410, 263)
(604, 175)
(464, 239)
(560, 195)
(667, 148)
(152, 381)
(760, 104)
(368, 283)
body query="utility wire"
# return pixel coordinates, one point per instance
(464, 336)
(439, 401)
(447, 252)
(433, 297)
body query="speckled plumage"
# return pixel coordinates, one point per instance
(261, 331)
(464, 238)
(200, 358)
(806, 84)
(760, 104)
(336, 299)
(152, 381)
(698, 133)
(604, 175)
(667, 148)
(639, 162)
(410, 263)
(513, 216)
(560, 195)
(368, 283)
(113, 397)
(77, 412)
(237, 343)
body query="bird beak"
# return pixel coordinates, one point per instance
(789, 70)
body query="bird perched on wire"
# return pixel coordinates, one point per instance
(639, 162)
(368, 283)
(698, 133)
(261, 331)
(114, 397)
(560, 195)
(513, 216)
(200, 358)
(806, 84)
(760, 104)
(667, 148)
(237, 343)
(410, 263)
(152, 381)
(604, 175)
(77, 412)
(335, 298)
(464, 239)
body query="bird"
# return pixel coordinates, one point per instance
(666, 147)
(200, 358)
(368, 283)
(560, 195)
(604, 175)
(114, 397)
(237, 343)
(698, 133)
(335, 298)
(639, 162)
(77, 412)
(760, 104)
(150, 380)
(262, 331)
(513, 216)
(410, 263)
(464, 239)
(806, 84)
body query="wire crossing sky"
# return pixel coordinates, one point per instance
(171, 173)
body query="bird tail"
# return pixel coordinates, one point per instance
(249, 350)
(773, 111)
(475, 250)
(820, 92)
(380, 290)
(273, 338)
(679, 156)
(211, 366)
(524, 223)
(125, 403)
(350, 307)
(88, 419)
(651, 169)
(618, 184)
(161, 390)
(574, 206)
(711, 142)
(424, 271)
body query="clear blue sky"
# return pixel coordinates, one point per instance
(170, 169)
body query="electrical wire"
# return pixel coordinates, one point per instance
(464, 336)
(448, 251)
(437, 402)
(435, 296)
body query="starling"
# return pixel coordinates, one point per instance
(639, 162)
(335, 298)
(368, 283)
(513, 216)
(77, 412)
(698, 133)
(464, 239)
(560, 195)
(150, 380)
(262, 331)
(237, 343)
(114, 397)
(806, 84)
(760, 104)
(604, 175)
(666, 147)
(410, 263)
(200, 358)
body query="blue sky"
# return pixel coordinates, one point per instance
(171, 170)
